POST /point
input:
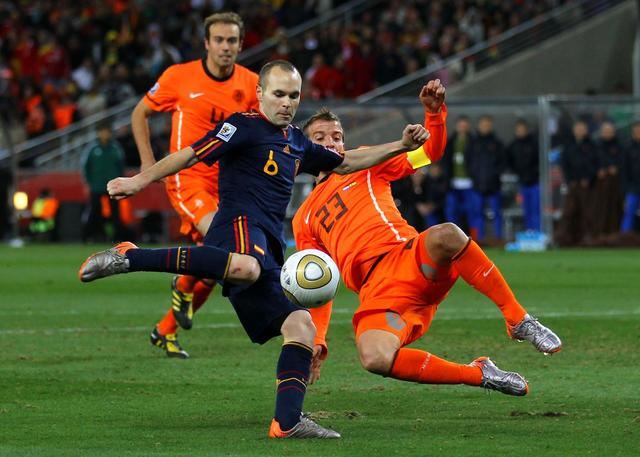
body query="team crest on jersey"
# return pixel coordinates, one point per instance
(154, 89)
(226, 132)
(238, 95)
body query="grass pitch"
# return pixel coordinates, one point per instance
(78, 376)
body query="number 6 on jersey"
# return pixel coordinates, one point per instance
(310, 278)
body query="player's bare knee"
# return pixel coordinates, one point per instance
(376, 359)
(243, 269)
(445, 241)
(299, 327)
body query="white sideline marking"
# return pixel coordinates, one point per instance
(446, 316)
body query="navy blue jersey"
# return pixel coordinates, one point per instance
(258, 163)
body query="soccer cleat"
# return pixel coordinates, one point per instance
(306, 428)
(169, 343)
(543, 339)
(106, 263)
(494, 378)
(181, 304)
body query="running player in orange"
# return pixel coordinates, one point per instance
(199, 94)
(400, 275)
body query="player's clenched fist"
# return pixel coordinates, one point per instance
(432, 95)
(120, 188)
(414, 135)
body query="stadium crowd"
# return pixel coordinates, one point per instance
(61, 61)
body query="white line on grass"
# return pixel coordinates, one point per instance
(451, 316)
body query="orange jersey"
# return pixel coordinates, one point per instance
(354, 217)
(198, 102)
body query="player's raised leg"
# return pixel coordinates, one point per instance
(201, 261)
(447, 244)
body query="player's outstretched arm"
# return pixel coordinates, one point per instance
(413, 136)
(120, 188)
(142, 135)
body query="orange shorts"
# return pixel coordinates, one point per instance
(402, 294)
(192, 198)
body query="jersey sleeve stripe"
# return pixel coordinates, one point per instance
(206, 146)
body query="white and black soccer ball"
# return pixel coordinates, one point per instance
(310, 278)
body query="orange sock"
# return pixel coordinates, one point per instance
(201, 292)
(168, 324)
(186, 283)
(480, 272)
(420, 366)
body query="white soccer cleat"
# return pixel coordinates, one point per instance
(507, 382)
(306, 428)
(542, 338)
(106, 263)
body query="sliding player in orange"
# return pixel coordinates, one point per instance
(199, 94)
(401, 275)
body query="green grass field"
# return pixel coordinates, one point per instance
(78, 376)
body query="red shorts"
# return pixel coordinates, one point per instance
(192, 198)
(402, 294)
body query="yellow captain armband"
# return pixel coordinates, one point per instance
(418, 158)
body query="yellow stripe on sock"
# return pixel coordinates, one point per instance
(280, 381)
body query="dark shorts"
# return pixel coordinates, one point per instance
(262, 307)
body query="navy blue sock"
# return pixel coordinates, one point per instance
(199, 261)
(293, 370)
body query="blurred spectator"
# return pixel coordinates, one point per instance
(103, 160)
(631, 180)
(38, 117)
(579, 168)
(92, 102)
(608, 198)
(523, 158)
(434, 188)
(325, 81)
(84, 75)
(43, 215)
(65, 110)
(117, 88)
(486, 164)
(455, 167)
(408, 193)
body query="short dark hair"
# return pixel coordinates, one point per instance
(228, 17)
(323, 114)
(267, 67)
(522, 121)
(103, 125)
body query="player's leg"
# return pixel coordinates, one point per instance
(196, 202)
(202, 261)
(446, 244)
(265, 312)
(381, 338)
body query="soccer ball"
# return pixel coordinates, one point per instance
(310, 278)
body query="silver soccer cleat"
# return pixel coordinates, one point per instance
(106, 263)
(542, 338)
(306, 428)
(494, 378)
